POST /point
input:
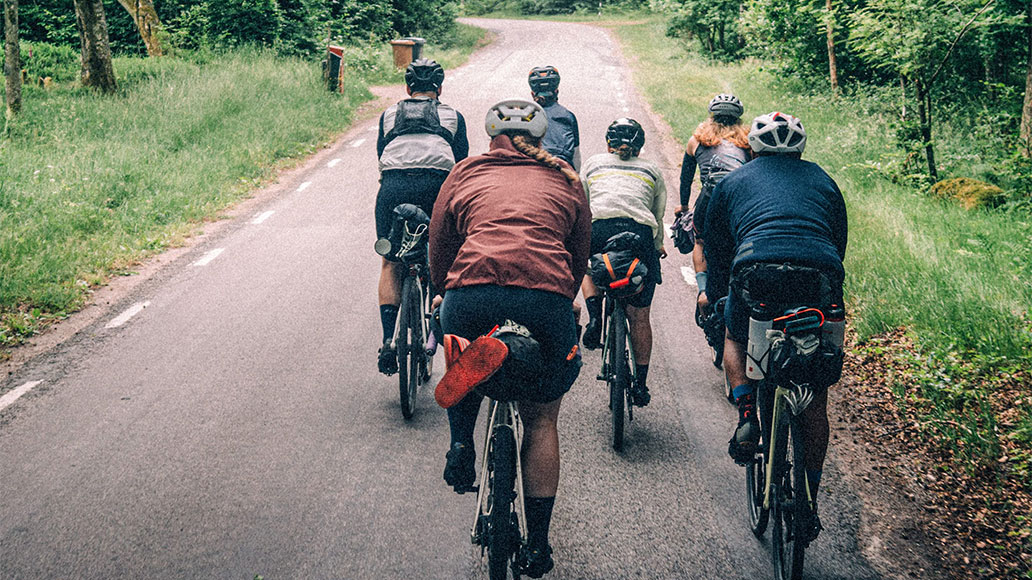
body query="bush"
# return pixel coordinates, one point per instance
(238, 22)
(41, 60)
(971, 193)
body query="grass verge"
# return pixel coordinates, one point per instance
(958, 282)
(92, 184)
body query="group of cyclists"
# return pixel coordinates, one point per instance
(511, 232)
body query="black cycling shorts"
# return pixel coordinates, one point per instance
(473, 311)
(602, 230)
(397, 186)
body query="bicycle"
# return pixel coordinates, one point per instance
(617, 370)
(776, 482)
(412, 336)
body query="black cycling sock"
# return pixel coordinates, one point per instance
(539, 517)
(388, 319)
(641, 373)
(462, 419)
(594, 305)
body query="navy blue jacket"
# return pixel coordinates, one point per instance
(775, 209)
(562, 136)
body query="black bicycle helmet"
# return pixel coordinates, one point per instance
(625, 131)
(726, 105)
(544, 81)
(423, 75)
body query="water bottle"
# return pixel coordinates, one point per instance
(758, 349)
(834, 329)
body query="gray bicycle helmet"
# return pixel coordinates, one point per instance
(423, 75)
(544, 81)
(777, 133)
(516, 116)
(625, 131)
(727, 105)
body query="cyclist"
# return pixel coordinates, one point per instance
(719, 145)
(563, 136)
(627, 194)
(509, 238)
(783, 210)
(418, 142)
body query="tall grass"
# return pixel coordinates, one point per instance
(962, 281)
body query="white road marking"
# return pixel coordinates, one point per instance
(304, 186)
(259, 219)
(125, 316)
(372, 128)
(689, 275)
(13, 396)
(357, 142)
(207, 258)
(626, 110)
(333, 162)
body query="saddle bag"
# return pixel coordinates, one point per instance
(521, 371)
(802, 354)
(407, 240)
(619, 269)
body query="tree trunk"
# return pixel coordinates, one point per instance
(146, 19)
(97, 71)
(1026, 110)
(12, 59)
(924, 113)
(832, 66)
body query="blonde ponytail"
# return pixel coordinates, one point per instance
(524, 146)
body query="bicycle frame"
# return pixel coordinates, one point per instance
(793, 400)
(500, 413)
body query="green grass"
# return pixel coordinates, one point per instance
(962, 281)
(91, 184)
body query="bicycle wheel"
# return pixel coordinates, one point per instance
(404, 344)
(619, 373)
(755, 481)
(728, 394)
(791, 510)
(502, 531)
(426, 364)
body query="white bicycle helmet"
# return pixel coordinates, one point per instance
(726, 104)
(777, 133)
(516, 116)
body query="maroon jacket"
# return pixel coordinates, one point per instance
(503, 218)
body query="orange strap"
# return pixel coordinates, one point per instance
(618, 282)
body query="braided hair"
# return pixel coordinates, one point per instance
(529, 147)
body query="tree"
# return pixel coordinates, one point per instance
(1026, 109)
(914, 39)
(146, 19)
(12, 59)
(97, 71)
(829, 24)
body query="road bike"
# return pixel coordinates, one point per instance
(617, 370)
(776, 482)
(412, 335)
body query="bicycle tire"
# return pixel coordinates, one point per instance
(404, 346)
(791, 510)
(755, 482)
(619, 373)
(728, 391)
(502, 532)
(426, 359)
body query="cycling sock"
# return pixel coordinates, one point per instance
(741, 391)
(388, 318)
(462, 418)
(594, 305)
(641, 373)
(539, 516)
(813, 477)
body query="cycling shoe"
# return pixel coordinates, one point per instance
(387, 359)
(640, 395)
(459, 471)
(746, 441)
(536, 563)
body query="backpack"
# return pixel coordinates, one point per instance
(417, 116)
(619, 269)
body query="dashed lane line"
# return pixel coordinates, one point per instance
(13, 396)
(260, 218)
(333, 162)
(125, 316)
(304, 186)
(357, 142)
(208, 257)
(689, 275)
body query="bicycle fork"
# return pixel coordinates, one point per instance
(797, 403)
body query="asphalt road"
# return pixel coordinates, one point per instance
(233, 424)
